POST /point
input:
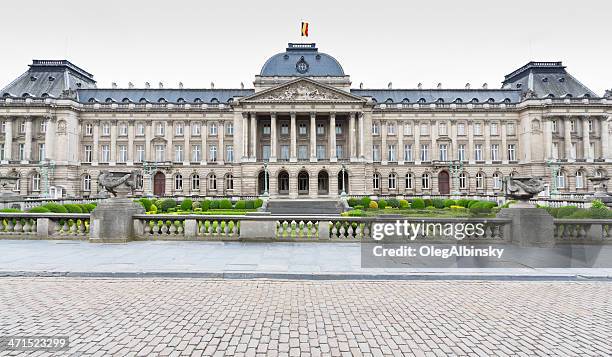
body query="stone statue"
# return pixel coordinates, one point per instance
(118, 181)
(523, 188)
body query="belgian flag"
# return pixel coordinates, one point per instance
(305, 29)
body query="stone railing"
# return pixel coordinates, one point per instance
(29, 203)
(44, 226)
(583, 230)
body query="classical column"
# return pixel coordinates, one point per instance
(586, 139)
(352, 137)
(434, 153)
(130, 148)
(254, 136)
(416, 151)
(383, 143)
(169, 136)
(187, 143)
(148, 138)
(27, 156)
(313, 137)
(453, 136)
(8, 140)
(245, 136)
(332, 137)
(361, 135)
(204, 134)
(568, 138)
(399, 152)
(605, 138)
(50, 139)
(113, 142)
(548, 138)
(96, 142)
(470, 151)
(487, 144)
(220, 135)
(292, 154)
(273, 138)
(504, 143)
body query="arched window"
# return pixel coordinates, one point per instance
(392, 181)
(560, 179)
(126, 100)
(490, 100)
(45, 95)
(579, 179)
(178, 182)
(109, 100)
(497, 181)
(161, 100)
(409, 181)
(405, 100)
(550, 95)
(195, 182)
(212, 182)
(599, 173)
(389, 100)
(426, 181)
(214, 101)
(568, 95)
(507, 101)
(463, 180)
(474, 100)
(376, 181)
(197, 100)
(86, 182)
(458, 100)
(586, 95)
(422, 100)
(229, 182)
(36, 181)
(143, 100)
(440, 100)
(480, 181)
(139, 182)
(180, 100)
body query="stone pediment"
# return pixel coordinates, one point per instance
(303, 90)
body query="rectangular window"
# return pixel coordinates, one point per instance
(460, 129)
(160, 153)
(573, 151)
(590, 125)
(554, 126)
(579, 181)
(22, 127)
(284, 152)
(229, 129)
(196, 153)
(477, 129)
(21, 152)
(123, 153)
(302, 129)
(442, 129)
(338, 128)
(391, 129)
(43, 126)
(320, 152)
(1, 151)
(123, 130)
(229, 153)
(375, 129)
(266, 152)
(302, 152)
(178, 129)
(140, 129)
(105, 153)
(511, 152)
(320, 129)
(408, 129)
(88, 154)
(555, 151)
(284, 129)
(195, 129)
(493, 128)
(495, 152)
(140, 153)
(339, 152)
(443, 152)
(511, 129)
(213, 129)
(424, 152)
(212, 153)
(424, 129)
(160, 129)
(461, 152)
(478, 152)
(266, 129)
(105, 129)
(41, 152)
(178, 153)
(391, 152)
(408, 152)
(3, 126)
(375, 153)
(572, 125)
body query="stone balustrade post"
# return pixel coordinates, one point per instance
(191, 228)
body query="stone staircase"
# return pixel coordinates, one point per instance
(304, 207)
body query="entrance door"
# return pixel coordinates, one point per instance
(159, 184)
(443, 183)
(283, 183)
(323, 183)
(303, 183)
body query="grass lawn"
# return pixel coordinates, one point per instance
(437, 213)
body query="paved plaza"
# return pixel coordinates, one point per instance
(149, 317)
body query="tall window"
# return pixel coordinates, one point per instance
(511, 129)
(229, 153)
(590, 125)
(375, 128)
(160, 153)
(123, 129)
(212, 182)
(196, 153)
(424, 152)
(266, 152)
(178, 182)
(443, 152)
(105, 153)
(495, 152)
(160, 129)
(461, 152)
(376, 181)
(338, 128)
(123, 154)
(573, 151)
(320, 129)
(391, 129)
(178, 129)
(407, 129)
(302, 129)
(140, 153)
(460, 129)
(105, 129)
(554, 126)
(391, 152)
(1, 151)
(478, 152)
(463, 180)
(493, 128)
(21, 151)
(511, 152)
(195, 128)
(579, 180)
(425, 181)
(555, 151)
(86, 182)
(560, 179)
(178, 153)
(497, 181)
(266, 129)
(408, 152)
(195, 182)
(477, 129)
(376, 152)
(339, 151)
(480, 180)
(320, 152)
(212, 129)
(36, 182)
(409, 181)
(284, 152)
(140, 129)
(229, 128)
(88, 154)
(424, 129)
(229, 182)
(22, 126)
(213, 153)
(284, 129)
(303, 152)
(573, 125)
(442, 129)
(3, 126)
(88, 130)
(41, 152)
(392, 181)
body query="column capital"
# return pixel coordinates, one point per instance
(272, 114)
(245, 115)
(332, 114)
(313, 114)
(292, 114)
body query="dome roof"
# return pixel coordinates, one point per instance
(302, 59)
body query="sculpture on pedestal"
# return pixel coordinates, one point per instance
(119, 184)
(523, 188)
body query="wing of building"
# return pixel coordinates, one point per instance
(308, 128)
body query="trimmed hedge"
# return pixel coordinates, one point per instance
(205, 205)
(167, 204)
(55, 208)
(225, 204)
(73, 208)
(393, 202)
(365, 201)
(352, 202)
(241, 204)
(10, 210)
(448, 202)
(417, 203)
(187, 204)
(39, 209)
(382, 204)
(257, 203)
(438, 203)
(404, 204)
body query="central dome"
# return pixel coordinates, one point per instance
(302, 59)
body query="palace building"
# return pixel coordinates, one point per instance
(304, 131)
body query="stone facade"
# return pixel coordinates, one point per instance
(305, 124)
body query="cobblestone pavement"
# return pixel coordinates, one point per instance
(311, 318)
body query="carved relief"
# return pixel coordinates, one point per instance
(302, 91)
(61, 127)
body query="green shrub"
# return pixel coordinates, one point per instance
(187, 204)
(167, 204)
(430, 208)
(153, 209)
(373, 205)
(72, 208)
(358, 207)
(448, 202)
(257, 203)
(352, 202)
(428, 202)
(482, 207)
(354, 213)
(566, 211)
(240, 204)
(417, 203)
(438, 203)
(404, 204)
(393, 202)
(382, 203)
(463, 202)
(225, 204)
(580, 214)
(84, 208)
(55, 208)
(39, 209)
(146, 203)
(195, 205)
(471, 203)
(599, 212)
(249, 204)
(213, 204)
(10, 210)
(365, 201)
(598, 204)
(205, 205)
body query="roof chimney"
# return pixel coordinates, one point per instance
(390, 85)
(485, 86)
(147, 85)
(468, 86)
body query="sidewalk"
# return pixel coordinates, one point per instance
(246, 260)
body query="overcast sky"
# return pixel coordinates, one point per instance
(227, 42)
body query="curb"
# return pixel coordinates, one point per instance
(307, 276)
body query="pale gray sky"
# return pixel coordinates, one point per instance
(406, 42)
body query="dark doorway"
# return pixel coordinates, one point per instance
(303, 183)
(323, 183)
(443, 183)
(343, 185)
(283, 183)
(159, 184)
(261, 181)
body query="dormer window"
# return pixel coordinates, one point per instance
(458, 100)
(545, 79)
(422, 100)
(161, 100)
(440, 100)
(125, 100)
(586, 95)
(562, 79)
(92, 100)
(507, 101)
(550, 95)
(568, 95)
(142, 100)
(197, 100)
(405, 100)
(389, 100)
(44, 95)
(33, 78)
(519, 85)
(109, 100)
(490, 100)
(474, 100)
(51, 78)
(180, 100)
(214, 101)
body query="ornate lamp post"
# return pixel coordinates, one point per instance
(554, 170)
(455, 168)
(266, 193)
(343, 193)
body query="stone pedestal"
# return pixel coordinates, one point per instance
(258, 229)
(531, 227)
(112, 220)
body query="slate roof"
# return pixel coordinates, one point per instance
(285, 64)
(434, 95)
(158, 95)
(49, 78)
(546, 79)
